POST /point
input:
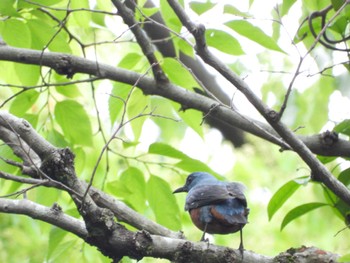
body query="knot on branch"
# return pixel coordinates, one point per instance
(56, 209)
(212, 111)
(273, 115)
(160, 77)
(328, 138)
(306, 254)
(142, 240)
(199, 34)
(315, 177)
(230, 256)
(184, 253)
(59, 165)
(102, 227)
(100, 222)
(63, 66)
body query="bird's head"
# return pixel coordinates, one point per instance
(196, 179)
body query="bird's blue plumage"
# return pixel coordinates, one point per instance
(215, 206)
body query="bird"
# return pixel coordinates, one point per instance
(215, 207)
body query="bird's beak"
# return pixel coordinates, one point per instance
(179, 190)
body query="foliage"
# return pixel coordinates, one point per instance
(136, 144)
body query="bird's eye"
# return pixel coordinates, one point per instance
(189, 180)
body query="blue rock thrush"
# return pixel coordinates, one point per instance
(215, 207)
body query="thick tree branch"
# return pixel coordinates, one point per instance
(142, 39)
(122, 212)
(140, 244)
(24, 138)
(52, 215)
(69, 65)
(21, 149)
(198, 31)
(161, 37)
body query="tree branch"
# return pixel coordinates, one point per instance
(68, 64)
(142, 39)
(52, 215)
(121, 211)
(198, 31)
(140, 244)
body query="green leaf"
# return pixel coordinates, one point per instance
(16, 33)
(229, 9)
(193, 165)
(192, 118)
(44, 34)
(28, 75)
(7, 8)
(131, 187)
(344, 177)
(282, 195)
(7, 153)
(339, 25)
(55, 238)
(163, 203)
(23, 102)
(32, 119)
(342, 207)
(285, 6)
(61, 251)
(43, 2)
(166, 150)
(186, 163)
(253, 33)
(81, 19)
(82, 162)
(326, 159)
(178, 74)
(299, 211)
(120, 92)
(343, 127)
(149, 11)
(137, 104)
(344, 258)
(74, 121)
(184, 47)
(304, 34)
(200, 7)
(133, 61)
(337, 4)
(315, 5)
(56, 138)
(70, 91)
(223, 41)
(312, 111)
(170, 18)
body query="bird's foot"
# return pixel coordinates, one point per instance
(203, 239)
(241, 250)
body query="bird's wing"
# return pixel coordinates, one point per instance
(237, 190)
(212, 194)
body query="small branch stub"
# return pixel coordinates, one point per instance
(64, 67)
(273, 115)
(199, 34)
(329, 138)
